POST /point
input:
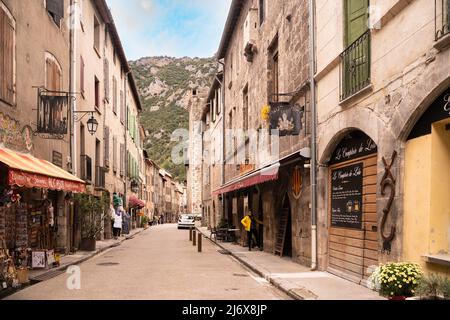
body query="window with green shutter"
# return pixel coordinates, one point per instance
(355, 60)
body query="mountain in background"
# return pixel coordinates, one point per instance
(165, 85)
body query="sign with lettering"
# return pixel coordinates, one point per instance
(286, 118)
(439, 110)
(355, 145)
(57, 159)
(346, 196)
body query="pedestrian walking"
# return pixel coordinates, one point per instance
(250, 223)
(118, 219)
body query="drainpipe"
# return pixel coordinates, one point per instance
(72, 86)
(222, 84)
(313, 137)
(126, 142)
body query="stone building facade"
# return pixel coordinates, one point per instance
(31, 62)
(392, 63)
(265, 53)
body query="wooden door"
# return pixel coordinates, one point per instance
(352, 251)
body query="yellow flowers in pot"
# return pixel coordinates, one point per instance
(397, 279)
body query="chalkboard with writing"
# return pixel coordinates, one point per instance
(346, 196)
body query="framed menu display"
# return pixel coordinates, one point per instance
(346, 196)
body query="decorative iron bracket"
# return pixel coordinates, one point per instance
(388, 181)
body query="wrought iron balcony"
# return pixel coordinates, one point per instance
(86, 168)
(355, 67)
(100, 174)
(441, 18)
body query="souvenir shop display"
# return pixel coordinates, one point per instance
(27, 230)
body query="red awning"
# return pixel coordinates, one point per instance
(26, 171)
(252, 179)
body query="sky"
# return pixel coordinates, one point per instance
(176, 28)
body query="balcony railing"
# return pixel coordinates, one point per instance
(100, 174)
(86, 168)
(441, 18)
(355, 67)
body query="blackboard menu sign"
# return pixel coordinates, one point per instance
(346, 196)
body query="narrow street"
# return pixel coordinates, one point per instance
(161, 264)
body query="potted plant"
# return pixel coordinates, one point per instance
(92, 213)
(397, 281)
(145, 221)
(434, 287)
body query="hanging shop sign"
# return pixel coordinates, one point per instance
(286, 118)
(355, 145)
(52, 113)
(346, 196)
(13, 136)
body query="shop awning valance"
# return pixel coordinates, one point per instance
(26, 171)
(251, 179)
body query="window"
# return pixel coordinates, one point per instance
(106, 151)
(96, 35)
(219, 101)
(82, 66)
(97, 92)
(245, 109)
(122, 108)
(55, 9)
(106, 78)
(114, 154)
(355, 60)
(274, 71)
(262, 11)
(122, 159)
(7, 56)
(53, 74)
(115, 95)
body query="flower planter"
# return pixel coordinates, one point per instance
(88, 244)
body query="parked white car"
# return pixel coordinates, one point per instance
(186, 221)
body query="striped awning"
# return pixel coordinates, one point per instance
(26, 171)
(258, 177)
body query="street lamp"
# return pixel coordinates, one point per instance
(92, 123)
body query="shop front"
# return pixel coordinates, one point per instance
(279, 197)
(426, 225)
(352, 207)
(34, 195)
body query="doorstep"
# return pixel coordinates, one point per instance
(298, 281)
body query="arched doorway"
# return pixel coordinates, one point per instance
(352, 207)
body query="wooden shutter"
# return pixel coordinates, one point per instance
(53, 76)
(106, 143)
(106, 78)
(122, 109)
(356, 19)
(6, 58)
(82, 75)
(114, 95)
(114, 154)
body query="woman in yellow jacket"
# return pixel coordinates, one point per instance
(250, 223)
